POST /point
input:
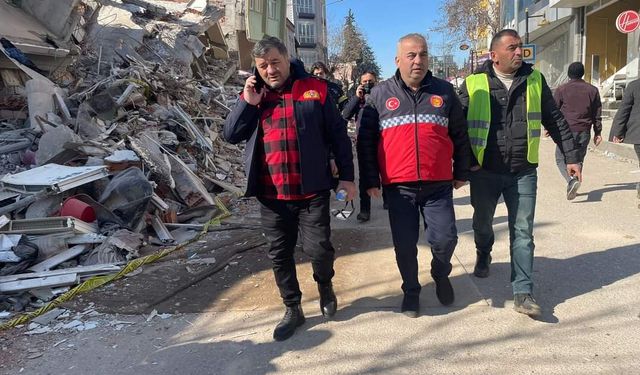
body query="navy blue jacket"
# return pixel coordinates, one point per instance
(320, 128)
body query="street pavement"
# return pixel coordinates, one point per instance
(587, 280)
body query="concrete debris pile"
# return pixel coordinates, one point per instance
(118, 154)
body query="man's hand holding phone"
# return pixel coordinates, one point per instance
(253, 90)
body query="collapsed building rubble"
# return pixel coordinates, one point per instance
(119, 152)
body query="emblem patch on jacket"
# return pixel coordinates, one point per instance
(437, 101)
(311, 95)
(392, 103)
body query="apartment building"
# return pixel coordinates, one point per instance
(310, 21)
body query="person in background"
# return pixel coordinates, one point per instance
(350, 112)
(626, 123)
(319, 69)
(580, 104)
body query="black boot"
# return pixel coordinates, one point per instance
(444, 291)
(328, 300)
(483, 260)
(410, 305)
(293, 318)
(363, 216)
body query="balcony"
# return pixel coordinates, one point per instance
(306, 15)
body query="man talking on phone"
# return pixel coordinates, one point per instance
(291, 124)
(351, 110)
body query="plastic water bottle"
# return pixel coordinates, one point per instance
(341, 195)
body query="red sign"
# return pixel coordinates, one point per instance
(628, 21)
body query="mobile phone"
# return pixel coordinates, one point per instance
(259, 82)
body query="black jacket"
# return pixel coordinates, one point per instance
(626, 123)
(507, 143)
(320, 130)
(351, 109)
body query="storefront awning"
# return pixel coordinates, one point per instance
(548, 33)
(570, 3)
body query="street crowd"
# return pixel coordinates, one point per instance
(417, 139)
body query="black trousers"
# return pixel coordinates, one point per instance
(434, 203)
(282, 220)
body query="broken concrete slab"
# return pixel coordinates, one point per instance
(48, 317)
(52, 143)
(58, 258)
(114, 29)
(117, 248)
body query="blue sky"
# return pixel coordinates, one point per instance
(384, 22)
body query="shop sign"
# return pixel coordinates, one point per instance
(628, 21)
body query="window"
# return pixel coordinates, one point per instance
(304, 6)
(272, 9)
(306, 32)
(255, 5)
(308, 57)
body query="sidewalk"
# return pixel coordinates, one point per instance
(586, 272)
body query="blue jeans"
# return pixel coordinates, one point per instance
(519, 192)
(434, 202)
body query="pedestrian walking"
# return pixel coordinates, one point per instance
(580, 105)
(626, 123)
(291, 123)
(506, 102)
(413, 140)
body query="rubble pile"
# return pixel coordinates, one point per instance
(121, 151)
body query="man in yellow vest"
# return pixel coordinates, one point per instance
(506, 103)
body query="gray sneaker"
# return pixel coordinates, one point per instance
(572, 188)
(525, 304)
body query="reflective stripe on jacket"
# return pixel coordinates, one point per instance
(408, 136)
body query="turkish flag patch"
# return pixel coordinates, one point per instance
(392, 103)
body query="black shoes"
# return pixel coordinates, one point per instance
(444, 291)
(328, 301)
(483, 260)
(363, 216)
(572, 188)
(293, 318)
(410, 306)
(525, 304)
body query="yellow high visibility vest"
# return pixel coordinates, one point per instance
(479, 114)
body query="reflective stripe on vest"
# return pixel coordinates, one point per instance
(479, 114)
(534, 115)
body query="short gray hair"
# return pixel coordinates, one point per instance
(267, 43)
(414, 36)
